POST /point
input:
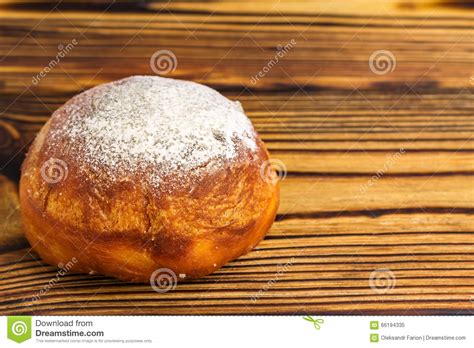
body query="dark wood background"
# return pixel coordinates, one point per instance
(321, 111)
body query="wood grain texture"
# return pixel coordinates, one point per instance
(379, 168)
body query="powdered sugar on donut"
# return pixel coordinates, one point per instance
(152, 125)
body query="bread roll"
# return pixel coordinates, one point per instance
(147, 173)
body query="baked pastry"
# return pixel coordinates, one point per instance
(11, 232)
(147, 173)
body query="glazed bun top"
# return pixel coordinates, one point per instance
(154, 129)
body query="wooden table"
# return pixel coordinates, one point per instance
(376, 210)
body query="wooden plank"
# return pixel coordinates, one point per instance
(378, 168)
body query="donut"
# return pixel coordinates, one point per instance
(146, 174)
(11, 234)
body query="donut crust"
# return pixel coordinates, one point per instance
(129, 230)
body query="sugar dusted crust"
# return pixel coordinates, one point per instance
(193, 220)
(153, 127)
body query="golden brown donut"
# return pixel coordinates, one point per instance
(147, 173)
(11, 232)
